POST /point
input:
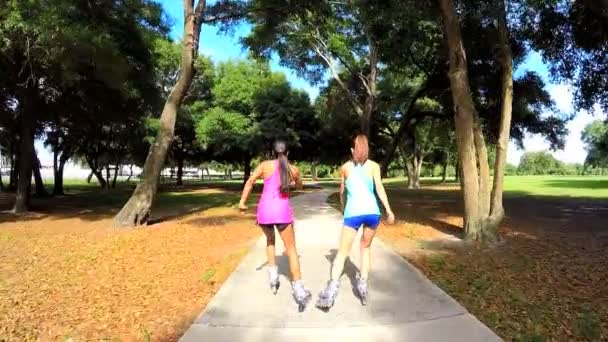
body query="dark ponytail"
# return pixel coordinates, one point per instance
(280, 152)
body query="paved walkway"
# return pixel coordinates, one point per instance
(404, 305)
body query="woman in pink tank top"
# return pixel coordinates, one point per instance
(274, 212)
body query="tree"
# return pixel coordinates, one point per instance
(254, 106)
(578, 56)
(483, 210)
(41, 61)
(316, 37)
(137, 209)
(539, 163)
(184, 147)
(595, 138)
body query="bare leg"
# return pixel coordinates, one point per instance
(327, 296)
(289, 240)
(273, 271)
(300, 293)
(346, 242)
(270, 241)
(366, 241)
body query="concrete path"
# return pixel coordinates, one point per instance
(404, 305)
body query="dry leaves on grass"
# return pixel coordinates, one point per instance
(535, 286)
(75, 278)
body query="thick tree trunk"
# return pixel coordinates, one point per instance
(100, 180)
(130, 173)
(39, 183)
(108, 177)
(417, 171)
(97, 173)
(313, 171)
(246, 169)
(496, 208)
(180, 171)
(467, 137)
(24, 182)
(58, 176)
(444, 173)
(137, 209)
(1, 181)
(115, 178)
(12, 182)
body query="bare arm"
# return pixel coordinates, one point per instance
(342, 188)
(382, 193)
(257, 173)
(297, 177)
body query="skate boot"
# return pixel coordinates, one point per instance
(328, 296)
(273, 275)
(362, 289)
(301, 295)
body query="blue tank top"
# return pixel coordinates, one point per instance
(360, 195)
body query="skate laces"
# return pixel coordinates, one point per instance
(273, 273)
(299, 290)
(361, 284)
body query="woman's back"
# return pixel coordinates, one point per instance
(359, 186)
(274, 206)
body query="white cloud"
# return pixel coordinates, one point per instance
(574, 151)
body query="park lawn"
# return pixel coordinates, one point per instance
(67, 273)
(545, 281)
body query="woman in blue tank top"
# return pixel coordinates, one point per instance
(360, 182)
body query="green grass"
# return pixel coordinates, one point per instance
(595, 187)
(558, 186)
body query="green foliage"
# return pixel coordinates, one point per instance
(224, 131)
(539, 163)
(595, 137)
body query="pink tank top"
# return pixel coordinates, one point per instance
(274, 207)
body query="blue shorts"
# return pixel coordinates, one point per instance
(369, 221)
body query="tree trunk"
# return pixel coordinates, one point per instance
(116, 168)
(39, 183)
(89, 177)
(130, 173)
(417, 171)
(313, 171)
(368, 106)
(497, 212)
(58, 176)
(108, 184)
(403, 125)
(97, 173)
(12, 182)
(246, 169)
(137, 209)
(180, 171)
(444, 173)
(24, 182)
(1, 182)
(467, 136)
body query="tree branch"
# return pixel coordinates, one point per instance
(338, 79)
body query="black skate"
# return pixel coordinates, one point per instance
(328, 296)
(362, 289)
(301, 295)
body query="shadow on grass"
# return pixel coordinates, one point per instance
(577, 183)
(93, 205)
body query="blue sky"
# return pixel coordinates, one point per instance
(221, 47)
